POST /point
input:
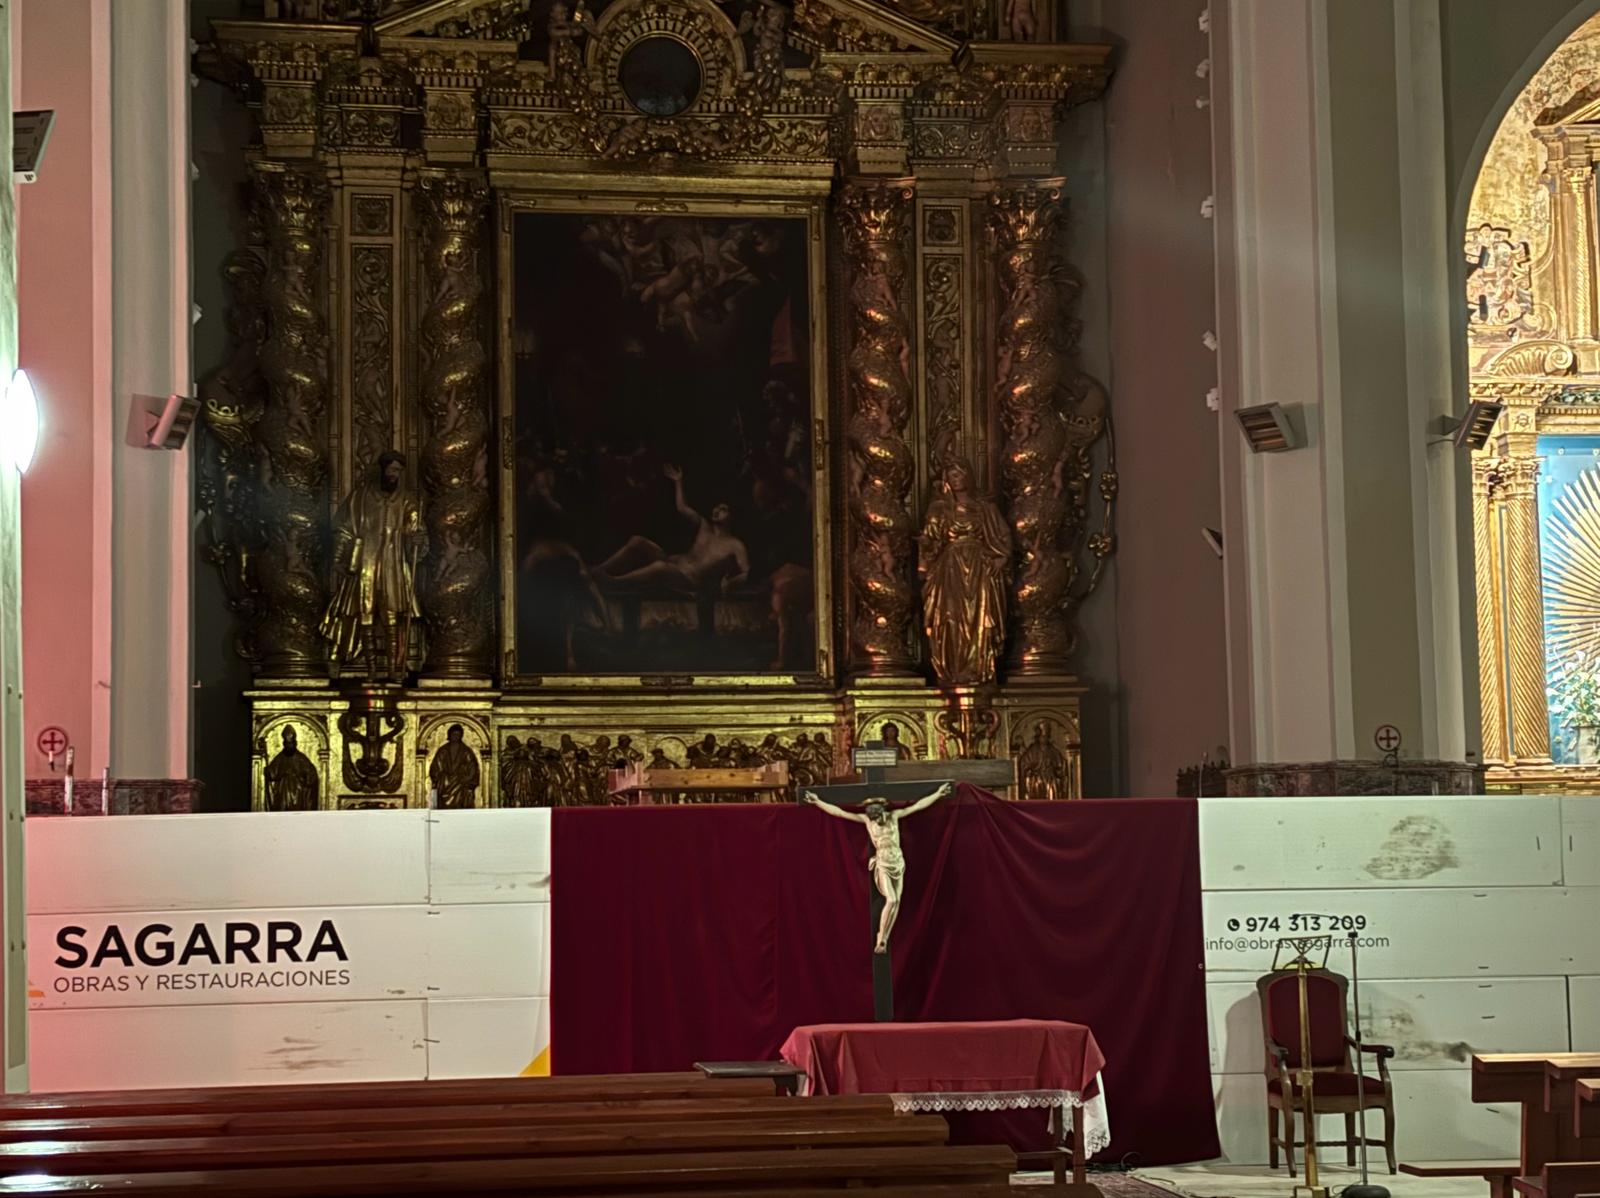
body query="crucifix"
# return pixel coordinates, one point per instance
(888, 868)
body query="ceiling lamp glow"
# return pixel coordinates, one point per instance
(19, 422)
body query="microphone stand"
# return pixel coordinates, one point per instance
(1365, 1189)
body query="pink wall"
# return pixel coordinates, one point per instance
(63, 289)
(1161, 267)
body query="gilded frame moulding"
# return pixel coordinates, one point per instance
(814, 210)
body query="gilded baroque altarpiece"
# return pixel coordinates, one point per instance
(1533, 320)
(607, 276)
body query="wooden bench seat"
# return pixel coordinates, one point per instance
(1498, 1173)
(1585, 1108)
(339, 1095)
(918, 1168)
(334, 1147)
(127, 1127)
(1561, 1179)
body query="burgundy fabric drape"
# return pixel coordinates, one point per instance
(709, 933)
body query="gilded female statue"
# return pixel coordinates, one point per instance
(964, 564)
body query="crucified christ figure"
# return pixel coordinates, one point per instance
(888, 866)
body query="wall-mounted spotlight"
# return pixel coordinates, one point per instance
(1476, 426)
(19, 422)
(161, 421)
(1267, 429)
(30, 133)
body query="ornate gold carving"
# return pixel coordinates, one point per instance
(1530, 715)
(943, 363)
(1043, 771)
(453, 774)
(968, 723)
(371, 725)
(455, 400)
(291, 781)
(371, 351)
(234, 534)
(964, 565)
(818, 25)
(875, 218)
(1499, 279)
(372, 216)
(941, 226)
(1051, 420)
(574, 769)
(378, 544)
(959, 18)
(1533, 358)
(604, 122)
(292, 429)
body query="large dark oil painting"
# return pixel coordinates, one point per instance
(664, 489)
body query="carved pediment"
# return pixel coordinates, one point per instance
(1581, 108)
(846, 26)
(864, 27)
(488, 20)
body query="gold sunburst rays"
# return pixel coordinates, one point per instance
(1572, 571)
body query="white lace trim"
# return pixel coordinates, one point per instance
(1096, 1125)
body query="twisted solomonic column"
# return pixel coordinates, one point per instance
(458, 606)
(293, 428)
(1030, 374)
(876, 219)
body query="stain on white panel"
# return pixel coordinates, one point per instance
(1495, 932)
(224, 862)
(1283, 844)
(132, 1048)
(488, 1037)
(1432, 1023)
(1435, 1119)
(489, 950)
(490, 856)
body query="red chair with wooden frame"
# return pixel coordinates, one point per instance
(1334, 1088)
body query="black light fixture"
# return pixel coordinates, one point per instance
(30, 132)
(1267, 429)
(1476, 426)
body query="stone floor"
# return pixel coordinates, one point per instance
(1221, 1180)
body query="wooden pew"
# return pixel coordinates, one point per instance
(339, 1147)
(1547, 1136)
(1561, 1179)
(1498, 1173)
(1586, 1107)
(917, 1169)
(127, 1127)
(339, 1095)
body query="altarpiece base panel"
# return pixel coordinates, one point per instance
(649, 334)
(556, 746)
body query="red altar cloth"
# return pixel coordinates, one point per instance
(710, 932)
(967, 1057)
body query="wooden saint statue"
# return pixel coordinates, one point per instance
(1042, 768)
(516, 774)
(291, 778)
(887, 864)
(378, 540)
(964, 563)
(454, 771)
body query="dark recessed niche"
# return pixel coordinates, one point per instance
(660, 76)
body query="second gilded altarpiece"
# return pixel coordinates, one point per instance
(680, 312)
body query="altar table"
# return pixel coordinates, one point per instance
(1000, 1065)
